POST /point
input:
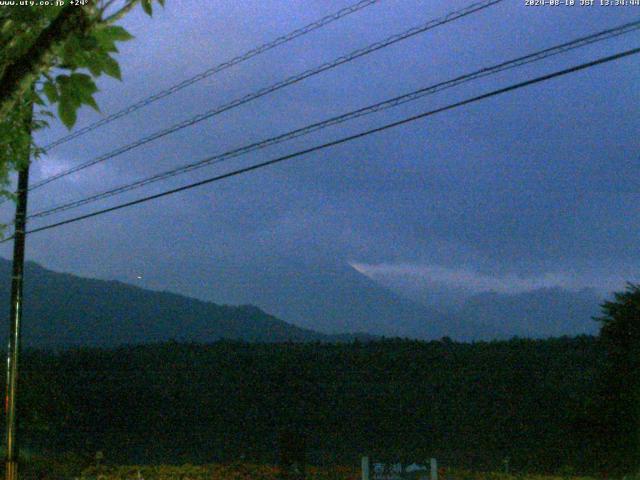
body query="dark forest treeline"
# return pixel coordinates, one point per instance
(468, 404)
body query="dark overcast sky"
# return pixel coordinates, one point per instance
(538, 187)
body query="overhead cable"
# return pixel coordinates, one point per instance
(340, 141)
(214, 70)
(275, 87)
(380, 106)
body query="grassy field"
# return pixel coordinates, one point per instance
(266, 472)
(211, 472)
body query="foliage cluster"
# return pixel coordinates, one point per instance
(616, 414)
(470, 405)
(51, 56)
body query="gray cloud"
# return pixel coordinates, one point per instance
(470, 281)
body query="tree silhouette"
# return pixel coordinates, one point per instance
(620, 395)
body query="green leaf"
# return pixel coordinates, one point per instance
(68, 94)
(89, 42)
(67, 112)
(106, 45)
(111, 67)
(161, 2)
(50, 91)
(116, 32)
(94, 64)
(146, 6)
(78, 89)
(92, 103)
(82, 83)
(107, 36)
(72, 52)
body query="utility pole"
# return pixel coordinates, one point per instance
(15, 316)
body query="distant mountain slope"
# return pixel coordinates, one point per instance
(537, 313)
(332, 298)
(62, 310)
(338, 298)
(325, 304)
(545, 312)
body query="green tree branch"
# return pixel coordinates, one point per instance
(18, 77)
(77, 43)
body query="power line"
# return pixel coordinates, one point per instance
(214, 70)
(277, 86)
(380, 106)
(341, 140)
